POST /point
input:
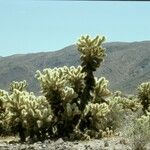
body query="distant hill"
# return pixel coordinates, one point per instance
(126, 65)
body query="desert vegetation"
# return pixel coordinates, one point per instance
(76, 105)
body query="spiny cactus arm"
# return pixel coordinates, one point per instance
(100, 90)
(67, 95)
(117, 93)
(15, 106)
(92, 53)
(124, 103)
(75, 78)
(143, 123)
(144, 95)
(21, 86)
(3, 102)
(71, 111)
(96, 115)
(50, 80)
(16, 101)
(97, 110)
(3, 112)
(3, 93)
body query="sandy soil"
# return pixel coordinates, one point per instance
(115, 143)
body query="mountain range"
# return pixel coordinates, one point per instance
(126, 65)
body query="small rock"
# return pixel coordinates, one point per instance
(39, 142)
(12, 142)
(23, 148)
(76, 142)
(31, 148)
(106, 144)
(47, 141)
(59, 141)
(88, 147)
(123, 141)
(40, 147)
(44, 145)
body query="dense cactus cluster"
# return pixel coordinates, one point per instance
(141, 131)
(24, 113)
(74, 104)
(144, 95)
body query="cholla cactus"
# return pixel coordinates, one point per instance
(96, 114)
(107, 133)
(144, 122)
(144, 95)
(28, 115)
(92, 54)
(68, 89)
(117, 93)
(93, 121)
(51, 80)
(21, 86)
(71, 110)
(15, 105)
(119, 108)
(3, 112)
(141, 131)
(75, 78)
(37, 116)
(56, 88)
(100, 90)
(3, 94)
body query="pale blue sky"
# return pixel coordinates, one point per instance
(35, 26)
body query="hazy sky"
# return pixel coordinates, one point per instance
(34, 26)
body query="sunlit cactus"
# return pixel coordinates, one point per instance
(3, 112)
(15, 106)
(37, 116)
(125, 103)
(92, 54)
(96, 115)
(93, 121)
(71, 110)
(21, 86)
(74, 104)
(75, 78)
(51, 80)
(117, 93)
(144, 121)
(101, 90)
(3, 102)
(141, 131)
(144, 95)
(69, 89)
(55, 87)
(28, 115)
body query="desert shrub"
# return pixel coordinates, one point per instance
(141, 132)
(144, 95)
(121, 110)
